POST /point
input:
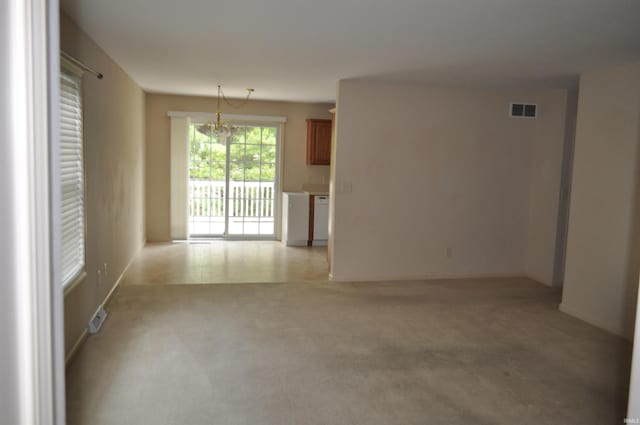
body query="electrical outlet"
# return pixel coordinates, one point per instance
(99, 277)
(105, 267)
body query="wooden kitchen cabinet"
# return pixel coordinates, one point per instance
(318, 142)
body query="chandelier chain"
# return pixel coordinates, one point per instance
(237, 105)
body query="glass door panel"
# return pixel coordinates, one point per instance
(240, 180)
(253, 153)
(207, 182)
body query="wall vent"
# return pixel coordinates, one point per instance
(97, 320)
(523, 110)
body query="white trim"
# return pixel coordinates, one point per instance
(207, 116)
(80, 277)
(594, 321)
(427, 277)
(178, 236)
(539, 279)
(85, 333)
(112, 292)
(633, 404)
(57, 301)
(277, 219)
(76, 347)
(38, 303)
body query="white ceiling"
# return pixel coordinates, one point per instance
(297, 49)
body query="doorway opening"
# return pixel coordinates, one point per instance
(233, 182)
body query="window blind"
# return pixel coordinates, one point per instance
(72, 177)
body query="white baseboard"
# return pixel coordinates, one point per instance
(76, 347)
(117, 284)
(538, 279)
(85, 333)
(566, 309)
(296, 243)
(431, 276)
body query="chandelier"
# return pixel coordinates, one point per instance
(221, 128)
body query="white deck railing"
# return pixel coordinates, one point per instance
(246, 199)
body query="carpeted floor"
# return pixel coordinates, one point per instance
(437, 352)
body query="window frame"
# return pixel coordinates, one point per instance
(277, 123)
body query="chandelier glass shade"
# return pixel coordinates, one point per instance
(224, 129)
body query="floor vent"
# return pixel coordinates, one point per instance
(97, 320)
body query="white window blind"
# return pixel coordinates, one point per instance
(72, 177)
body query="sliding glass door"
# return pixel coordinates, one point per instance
(233, 182)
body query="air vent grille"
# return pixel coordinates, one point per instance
(97, 320)
(523, 110)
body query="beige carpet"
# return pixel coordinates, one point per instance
(439, 352)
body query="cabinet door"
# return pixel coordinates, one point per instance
(318, 142)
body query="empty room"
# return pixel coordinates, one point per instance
(343, 212)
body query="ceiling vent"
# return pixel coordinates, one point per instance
(523, 110)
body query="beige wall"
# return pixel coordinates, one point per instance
(114, 168)
(419, 170)
(546, 151)
(294, 171)
(601, 274)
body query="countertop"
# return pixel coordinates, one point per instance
(316, 189)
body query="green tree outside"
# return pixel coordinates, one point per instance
(252, 154)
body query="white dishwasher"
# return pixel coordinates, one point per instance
(320, 220)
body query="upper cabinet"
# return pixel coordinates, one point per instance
(318, 142)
